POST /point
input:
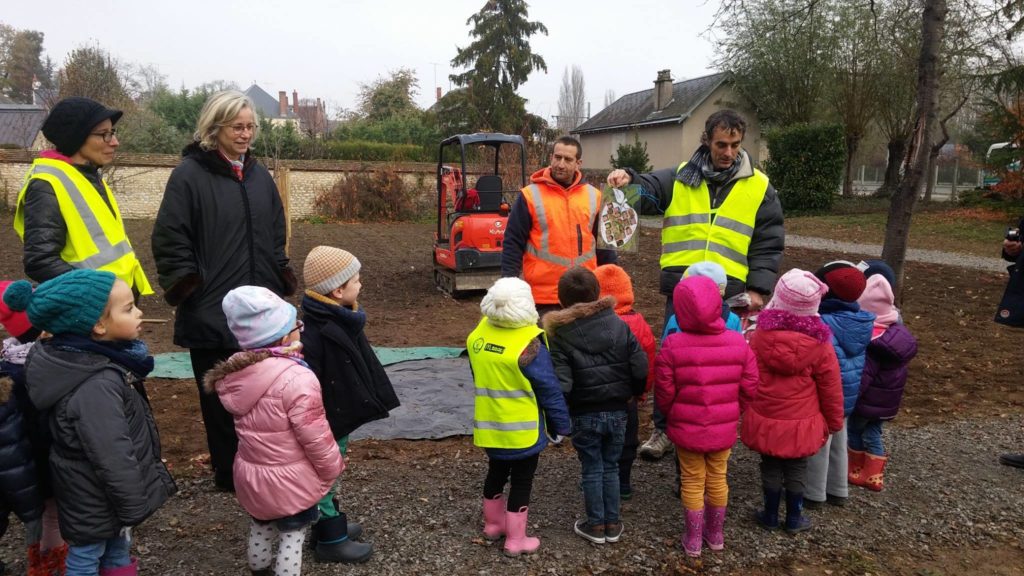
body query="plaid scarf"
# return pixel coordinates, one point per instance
(700, 168)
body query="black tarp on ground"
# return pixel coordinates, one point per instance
(437, 401)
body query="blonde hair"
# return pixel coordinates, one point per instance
(220, 109)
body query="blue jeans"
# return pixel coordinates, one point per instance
(865, 434)
(87, 559)
(598, 439)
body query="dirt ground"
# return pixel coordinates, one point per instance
(968, 367)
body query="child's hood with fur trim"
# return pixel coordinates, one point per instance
(245, 377)
(784, 341)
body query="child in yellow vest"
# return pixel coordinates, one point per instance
(518, 404)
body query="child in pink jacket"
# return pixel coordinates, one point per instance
(705, 375)
(287, 458)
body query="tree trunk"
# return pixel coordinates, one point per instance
(851, 151)
(897, 152)
(956, 176)
(901, 209)
(932, 175)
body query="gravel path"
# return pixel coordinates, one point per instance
(875, 251)
(420, 505)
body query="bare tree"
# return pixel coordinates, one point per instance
(609, 97)
(901, 210)
(572, 100)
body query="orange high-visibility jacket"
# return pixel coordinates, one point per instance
(562, 234)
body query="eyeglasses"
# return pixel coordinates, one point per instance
(107, 136)
(299, 325)
(239, 129)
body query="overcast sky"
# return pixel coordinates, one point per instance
(326, 49)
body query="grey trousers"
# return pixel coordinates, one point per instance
(826, 470)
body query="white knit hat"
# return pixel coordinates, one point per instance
(509, 304)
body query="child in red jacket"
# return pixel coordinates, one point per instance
(799, 398)
(616, 282)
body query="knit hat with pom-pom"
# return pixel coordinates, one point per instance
(509, 304)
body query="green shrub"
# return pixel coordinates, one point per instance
(375, 151)
(805, 164)
(632, 156)
(368, 195)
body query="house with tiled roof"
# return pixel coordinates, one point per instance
(669, 117)
(20, 126)
(309, 116)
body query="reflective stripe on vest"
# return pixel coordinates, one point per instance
(693, 232)
(551, 250)
(544, 252)
(505, 411)
(88, 243)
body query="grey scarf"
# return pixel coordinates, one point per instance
(700, 168)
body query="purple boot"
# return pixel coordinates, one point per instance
(714, 523)
(694, 529)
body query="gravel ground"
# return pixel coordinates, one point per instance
(944, 489)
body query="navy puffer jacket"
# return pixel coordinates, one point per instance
(19, 485)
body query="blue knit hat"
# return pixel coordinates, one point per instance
(71, 303)
(711, 270)
(257, 317)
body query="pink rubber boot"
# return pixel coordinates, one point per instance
(494, 517)
(516, 540)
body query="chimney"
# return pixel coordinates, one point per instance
(295, 102)
(36, 85)
(438, 93)
(662, 89)
(282, 104)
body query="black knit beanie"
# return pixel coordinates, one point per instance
(578, 284)
(71, 121)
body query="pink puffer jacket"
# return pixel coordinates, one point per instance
(704, 375)
(287, 458)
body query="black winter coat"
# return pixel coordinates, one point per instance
(19, 485)
(46, 232)
(766, 245)
(105, 457)
(214, 233)
(598, 360)
(355, 387)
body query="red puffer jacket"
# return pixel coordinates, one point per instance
(800, 397)
(642, 330)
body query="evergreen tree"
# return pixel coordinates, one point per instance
(632, 156)
(499, 60)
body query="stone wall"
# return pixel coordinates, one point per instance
(139, 180)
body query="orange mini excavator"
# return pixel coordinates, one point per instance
(471, 220)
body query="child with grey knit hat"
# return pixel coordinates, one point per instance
(355, 388)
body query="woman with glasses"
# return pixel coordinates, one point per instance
(66, 215)
(221, 225)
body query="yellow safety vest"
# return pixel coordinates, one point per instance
(505, 412)
(96, 238)
(693, 232)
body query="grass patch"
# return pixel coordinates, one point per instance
(936, 226)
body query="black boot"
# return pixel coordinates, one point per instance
(795, 520)
(769, 516)
(334, 545)
(355, 531)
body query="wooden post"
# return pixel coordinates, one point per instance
(281, 179)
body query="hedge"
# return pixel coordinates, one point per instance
(805, 165)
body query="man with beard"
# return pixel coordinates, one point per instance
(553, 226)
(717, 208)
